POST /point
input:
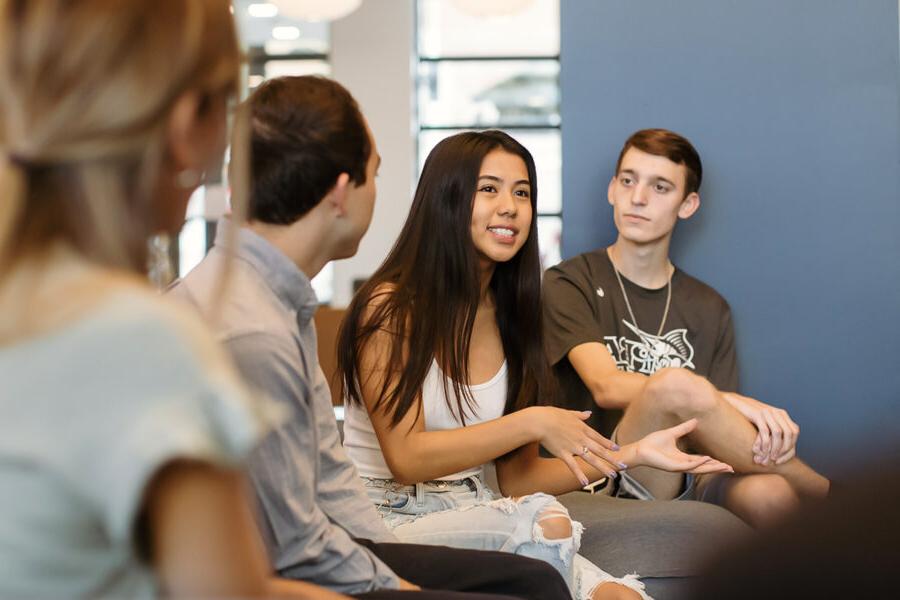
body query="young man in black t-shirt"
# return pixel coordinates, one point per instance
(652, 346)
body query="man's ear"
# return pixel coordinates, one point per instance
(609, 190)
(689, 205)
(338, 194)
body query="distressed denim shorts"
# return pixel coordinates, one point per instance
(465, 514)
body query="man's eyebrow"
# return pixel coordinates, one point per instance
(656, 178)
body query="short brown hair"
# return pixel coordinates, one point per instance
(677, 148)
(305, 131)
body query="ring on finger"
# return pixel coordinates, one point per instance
(584, 451)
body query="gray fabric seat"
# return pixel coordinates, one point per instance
(665, 542)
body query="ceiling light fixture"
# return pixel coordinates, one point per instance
(262, 10)
(317, 10)
(285, 33)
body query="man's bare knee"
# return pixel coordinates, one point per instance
(556, 527)
(774, 493)
(680, 392)
(762, 499)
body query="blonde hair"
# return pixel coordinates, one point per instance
(85, 88)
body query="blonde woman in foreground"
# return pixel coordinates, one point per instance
(122, 424)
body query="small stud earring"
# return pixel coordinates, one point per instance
(187, 179)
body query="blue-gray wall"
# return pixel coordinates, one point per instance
(794, 106)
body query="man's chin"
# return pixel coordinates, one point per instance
(640, 239)
(347, 251)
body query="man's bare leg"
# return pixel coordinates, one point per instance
(672, 396)
(761, 500)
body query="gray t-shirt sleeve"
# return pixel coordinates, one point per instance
(196, 426)
(303, 542)
(569, 316)
(169, 393)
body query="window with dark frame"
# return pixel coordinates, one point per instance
(476, 72)
(275, 46)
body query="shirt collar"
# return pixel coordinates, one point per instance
(289, 283)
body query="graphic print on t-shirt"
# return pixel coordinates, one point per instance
(651, 353)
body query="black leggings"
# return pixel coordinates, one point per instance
(454, 574)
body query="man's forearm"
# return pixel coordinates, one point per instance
(616, 390)
(609, 387)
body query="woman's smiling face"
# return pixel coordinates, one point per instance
(501, 209)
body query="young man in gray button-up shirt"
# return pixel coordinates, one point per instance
(312, 194)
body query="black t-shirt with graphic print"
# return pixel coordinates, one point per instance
(583, 303)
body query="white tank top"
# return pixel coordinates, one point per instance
(362, 443)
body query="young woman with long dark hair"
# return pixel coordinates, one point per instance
(443, 366)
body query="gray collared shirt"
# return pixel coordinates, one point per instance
(311, 497)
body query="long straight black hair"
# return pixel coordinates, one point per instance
(426, 293)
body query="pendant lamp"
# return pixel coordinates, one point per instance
(316, 10)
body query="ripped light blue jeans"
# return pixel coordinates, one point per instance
(465, 514)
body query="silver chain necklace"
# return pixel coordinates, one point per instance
(628, 304)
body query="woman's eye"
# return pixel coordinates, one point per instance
(523, 193)
(487, 188)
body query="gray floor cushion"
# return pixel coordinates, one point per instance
(664, 542)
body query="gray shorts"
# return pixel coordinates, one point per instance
(694, 487)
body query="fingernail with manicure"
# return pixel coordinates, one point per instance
(616, 447)
(623, 465)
